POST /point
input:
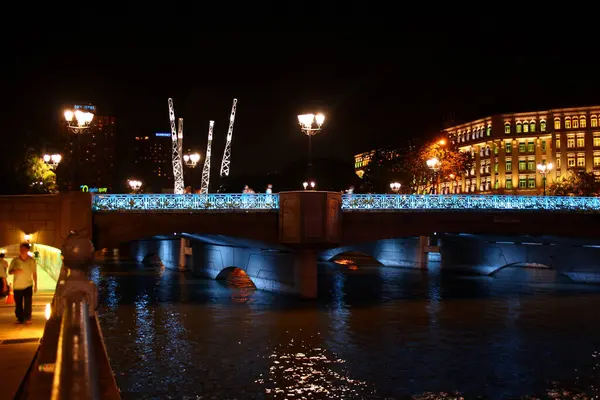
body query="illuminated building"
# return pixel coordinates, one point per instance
(153, 161)
(507, 148)
(95, 148)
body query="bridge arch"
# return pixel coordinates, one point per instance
(523, 265)
(399, 252)
(236, 278)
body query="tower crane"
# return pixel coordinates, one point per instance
(177, 164)
(206, 168)
(227, 153)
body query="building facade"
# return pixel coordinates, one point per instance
(507, 149)
(90, 156)
(153, 161)
(380, 156)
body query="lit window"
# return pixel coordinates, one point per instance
(509, 183)
(596, 141)
(522, 165)
(531, 165)
(495, 150)
(496, 168)
(531, 183)
(556, 123)
(531, 147)
(525, 127)
(522, 183)
(489, 130)
(558, 161)
(557, 144)
(543, 125)
(575, 123)
(570, 161)
(508, 166)
(519, 127)
(596, 161)
(594, 121)
(570, 142)
(582, 122)
(580, 161)
(521, 147)
(580, 142)
(568, 123)
(532, 126)
(507, 128)
(509, 146)
(543, 146)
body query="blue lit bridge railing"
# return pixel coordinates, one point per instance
(184, 202)
(399, 202)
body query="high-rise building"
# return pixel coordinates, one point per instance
(89, 157)
(153, 161)
(381, 157)
(507, 148)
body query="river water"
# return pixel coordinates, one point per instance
(374, 333)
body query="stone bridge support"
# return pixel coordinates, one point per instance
(577, 258)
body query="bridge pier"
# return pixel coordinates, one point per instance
(306, 274)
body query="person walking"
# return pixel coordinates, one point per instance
(24, 270)
(3, 276)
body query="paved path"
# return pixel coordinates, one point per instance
(18, 343)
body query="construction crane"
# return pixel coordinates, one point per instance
(177, 164)
(206, 168)
(180, 136)
(227, 153)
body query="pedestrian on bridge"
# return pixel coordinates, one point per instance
(24, 270)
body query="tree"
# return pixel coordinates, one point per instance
(452, 163)
(578, 183)
(40, 177)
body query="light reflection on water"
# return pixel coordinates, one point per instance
(375, 333)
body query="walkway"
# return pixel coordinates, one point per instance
(18, 343)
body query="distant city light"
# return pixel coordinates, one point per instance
(162, 134)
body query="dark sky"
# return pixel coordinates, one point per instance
(376, 88)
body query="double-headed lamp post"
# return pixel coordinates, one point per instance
(434, 165)
(544, 169)
(134, 184)
(395, 186)
(310, 124)
(52, 160)
(78, 122)
(191, 160)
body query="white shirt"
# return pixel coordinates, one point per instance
(24, 279)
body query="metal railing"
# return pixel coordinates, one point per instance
(75, 374)
(401, 202)
(184, 202)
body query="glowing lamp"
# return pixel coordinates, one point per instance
(27, 237)
(69, 115)
(48, 311)
(47, 158)
(305, 185)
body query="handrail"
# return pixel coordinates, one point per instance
(75, 375)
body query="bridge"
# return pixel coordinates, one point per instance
(277, 239)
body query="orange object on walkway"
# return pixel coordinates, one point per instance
(10, 299)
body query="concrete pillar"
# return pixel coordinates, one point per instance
(184, 250)
(306, 274)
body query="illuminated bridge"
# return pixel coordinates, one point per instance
(277, 239)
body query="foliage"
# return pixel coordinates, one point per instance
(578, 183)
(382, 171)
(452, 163)
(40, 177)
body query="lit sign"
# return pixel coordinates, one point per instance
(163, 134)
(88, 107)
(86, 188)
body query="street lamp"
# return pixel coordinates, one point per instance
(304, 185)
(134, 184)
(78, 121)
(310, 125)
(191, 160)
(434, 165)
(395, 186)
(52, 160)
(544, 169)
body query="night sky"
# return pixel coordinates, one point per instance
(376, 88)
